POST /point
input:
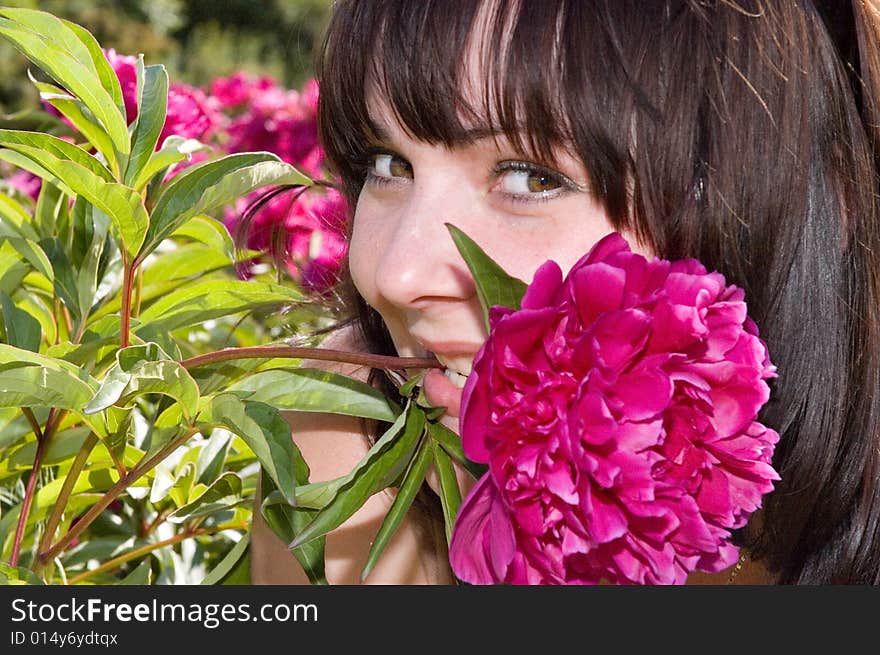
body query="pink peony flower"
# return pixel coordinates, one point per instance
(25, 183)
(284, 122)
(617, 413)
(307, 233)
(191, 114)
(240, 89)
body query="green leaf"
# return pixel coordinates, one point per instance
(152, 107)
(48, 48)
(266, 433)
(122, 204)
(223, 494)
(106, 74)
(313, 390)
(210, 232)
(81, 118)
(34, 255)
(18, 575)
(142, 575)
(494, 285)
(229, 562)
(15, 221)
(26, 142)
(212, 456)
(87, 279)
(64, 278)
(286, 522)
(22, 329)
(51, 206)
(412, 482)
(451, 443)
(189, 260)
(28, 164)
(210, 299)
(450, 494)
(212, 185)
(378, 470)
(28, 379)
(144, 369)
(175, 149)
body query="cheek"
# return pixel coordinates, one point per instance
(363, 252)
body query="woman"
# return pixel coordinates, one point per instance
(739, 132)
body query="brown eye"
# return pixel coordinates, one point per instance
(538, 182)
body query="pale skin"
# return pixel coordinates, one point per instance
(405, 265)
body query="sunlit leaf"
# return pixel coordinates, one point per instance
(152, 106)
(223, 494)
(229, 563)
(412, 482)
(22, 329)
(211, 185)
(144, 369)
(378, 470)
(314, 390)
(494, 285)
(267, 434)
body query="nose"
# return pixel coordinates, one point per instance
(420, 263)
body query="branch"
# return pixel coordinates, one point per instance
(297, 352)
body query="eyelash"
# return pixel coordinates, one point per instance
(566, 185)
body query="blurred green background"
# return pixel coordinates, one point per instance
(197, 40)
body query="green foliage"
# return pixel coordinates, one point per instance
(113, 447)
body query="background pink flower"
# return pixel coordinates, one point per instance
(306, 232)
(617, 413)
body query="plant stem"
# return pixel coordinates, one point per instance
(109, 565)
(43, 437)
(297, 352)
(138, 292)
(125, 308)
(61, 504)
(95, 510)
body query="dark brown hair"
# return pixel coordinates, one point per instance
(733, 131)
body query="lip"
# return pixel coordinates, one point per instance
(450, 349)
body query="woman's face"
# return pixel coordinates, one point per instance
(405, 264)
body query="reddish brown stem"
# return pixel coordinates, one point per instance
(125, 309)
(52, 422)
(296, 352)
(124, 483)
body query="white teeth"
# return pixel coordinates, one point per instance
(459, 365)
(455, 377)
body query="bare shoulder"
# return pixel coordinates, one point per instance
(332, 445)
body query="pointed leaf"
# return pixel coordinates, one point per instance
(494, 285)
(412, 482)
(210, 299)
(106, 74)
(451, 443)
(313, 390)
(212, 456)
(58, 148)
(22, 329)
(210, 232)
(229, 562)
(223, 494)
(152, 107)
(174, 149)
(120, 203)
(81, 79)
(379, 469)
(286, 522)
(142, 575)
(14, 220)
(18, 575)
(141, 370)
(28, 379)
(81, 118)
(266, 433)
(211, 185)
(450, 494)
